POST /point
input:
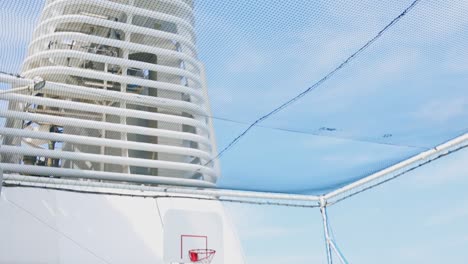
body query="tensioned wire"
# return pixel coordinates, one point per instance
(259, 125)
(319, 132)
(316, 132)
(315, 85)
(58, 231)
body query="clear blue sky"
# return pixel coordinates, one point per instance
(410, 85)
(419, 218)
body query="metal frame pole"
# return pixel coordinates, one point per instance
(118, 183)
(323, 211)
(406, 165)
(338, 252)
(330, 244)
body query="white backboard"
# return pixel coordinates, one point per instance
(185, 230)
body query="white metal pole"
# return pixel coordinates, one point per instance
(413, 162)
(323, 209)
(123, 184)
(338, 252)
(15, 90)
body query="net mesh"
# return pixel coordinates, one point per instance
(402, 95)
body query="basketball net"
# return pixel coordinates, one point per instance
(204, 256)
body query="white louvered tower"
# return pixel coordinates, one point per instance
(125, 96)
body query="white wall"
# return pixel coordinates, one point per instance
(51, 226)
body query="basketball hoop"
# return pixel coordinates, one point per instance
(204, 256)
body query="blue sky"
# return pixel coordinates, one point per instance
(406, 93)
(411, 85)
(419, 218)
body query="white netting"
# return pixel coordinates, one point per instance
(392, 77)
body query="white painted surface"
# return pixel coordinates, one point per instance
(50, 226)
(232, 252)
(185, 230)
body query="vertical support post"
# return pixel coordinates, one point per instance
(323, 211)
(330, 244)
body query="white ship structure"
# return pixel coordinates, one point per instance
(126, 82)
(118, 96)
